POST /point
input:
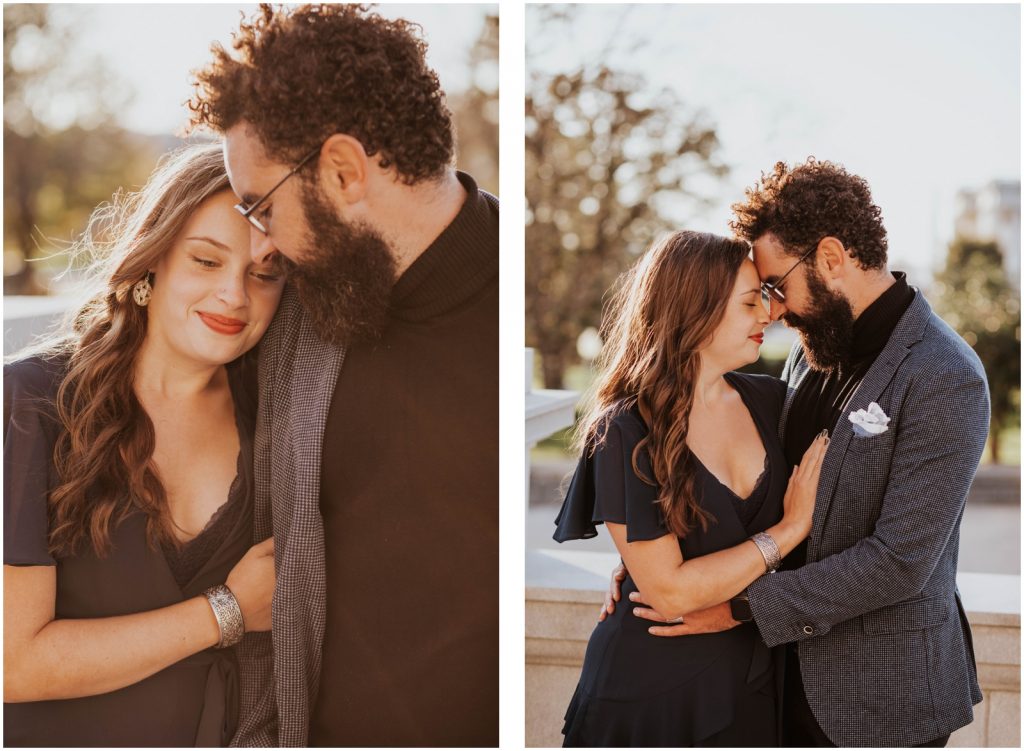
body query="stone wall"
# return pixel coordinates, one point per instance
(564, 590)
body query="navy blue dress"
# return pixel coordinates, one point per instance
(191, 703)
(639, 690)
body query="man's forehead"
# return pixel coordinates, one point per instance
(769, 256)
(245, 159)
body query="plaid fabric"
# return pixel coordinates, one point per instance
(280, 671)
(884, 647)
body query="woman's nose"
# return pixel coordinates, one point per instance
(232, 292)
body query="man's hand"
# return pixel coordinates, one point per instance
(614, 591)
(708, 621)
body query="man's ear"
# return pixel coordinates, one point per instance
(344, 167)
(832, 258)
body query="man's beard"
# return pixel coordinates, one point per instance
(826, 330)
(345, 277)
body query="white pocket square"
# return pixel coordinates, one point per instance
(870, 421)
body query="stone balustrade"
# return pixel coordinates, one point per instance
(27, 317)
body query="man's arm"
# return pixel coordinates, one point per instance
(257, 722)
(940, 441)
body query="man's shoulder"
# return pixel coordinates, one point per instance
(942, 350)
(285, 326)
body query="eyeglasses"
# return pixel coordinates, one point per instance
(247, 211)
(773, 289)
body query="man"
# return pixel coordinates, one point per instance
(878, 646)
(376, 445)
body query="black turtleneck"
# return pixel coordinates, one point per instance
(823, 396)
(409, 499)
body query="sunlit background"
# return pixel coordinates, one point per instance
(94, 95)
(648, 118)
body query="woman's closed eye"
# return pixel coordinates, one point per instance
(266, 276)
(206, 263)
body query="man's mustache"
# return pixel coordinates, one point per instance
(792, 320)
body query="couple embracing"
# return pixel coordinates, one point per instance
(789, 547)
(215, 537)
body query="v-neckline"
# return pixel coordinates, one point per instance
(232, 489)
(760, 435)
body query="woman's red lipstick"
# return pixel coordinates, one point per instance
(222, 324)
(759, 338)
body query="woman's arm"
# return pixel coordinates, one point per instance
(64, 659)
(675, 587)
(46, 658)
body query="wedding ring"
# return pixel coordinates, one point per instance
(677, 620)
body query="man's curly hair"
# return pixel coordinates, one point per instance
(816, 199)
(304, 73)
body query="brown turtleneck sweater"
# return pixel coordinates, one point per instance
(409, 499)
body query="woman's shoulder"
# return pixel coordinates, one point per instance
(606, 486)
(624, 416)
(36, 377)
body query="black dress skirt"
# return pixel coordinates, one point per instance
(639, 690)
(191, 703)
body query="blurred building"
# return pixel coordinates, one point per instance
(993, 213)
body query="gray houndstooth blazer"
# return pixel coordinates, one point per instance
(297, 376)
(885, 649)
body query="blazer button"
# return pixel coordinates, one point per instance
(808, 629)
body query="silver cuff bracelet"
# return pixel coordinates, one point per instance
(228, 615)
(770, 551)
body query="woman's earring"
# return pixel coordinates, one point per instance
(142, 291)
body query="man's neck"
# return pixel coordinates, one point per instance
(420, 213)
(873, 288)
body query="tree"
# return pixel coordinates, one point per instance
(475, 111)
(974, 296)
(604, 156)
(64, 152)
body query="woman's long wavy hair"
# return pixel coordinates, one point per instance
(665, 309)
(104, 456)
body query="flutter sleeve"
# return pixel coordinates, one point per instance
(30, 433)
(606, 488)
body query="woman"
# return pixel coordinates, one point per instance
(128, 481)
(681, 460)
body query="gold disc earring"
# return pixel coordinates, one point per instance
(142, 291)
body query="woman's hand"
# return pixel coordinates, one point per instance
(251, 581)
(798, 503)
(614, 591)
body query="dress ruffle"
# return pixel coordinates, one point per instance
(692, 714)
(624, 497)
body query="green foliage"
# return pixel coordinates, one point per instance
(975, 297)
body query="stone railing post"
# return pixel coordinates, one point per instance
(547, 411)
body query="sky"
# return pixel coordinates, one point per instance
(920, 100)
(156, 65)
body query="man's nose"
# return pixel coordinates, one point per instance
(776, 309)
(260, 246)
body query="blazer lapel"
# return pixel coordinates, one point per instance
(796, 375)
(907, 332)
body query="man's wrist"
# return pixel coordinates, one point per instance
(739, 606)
